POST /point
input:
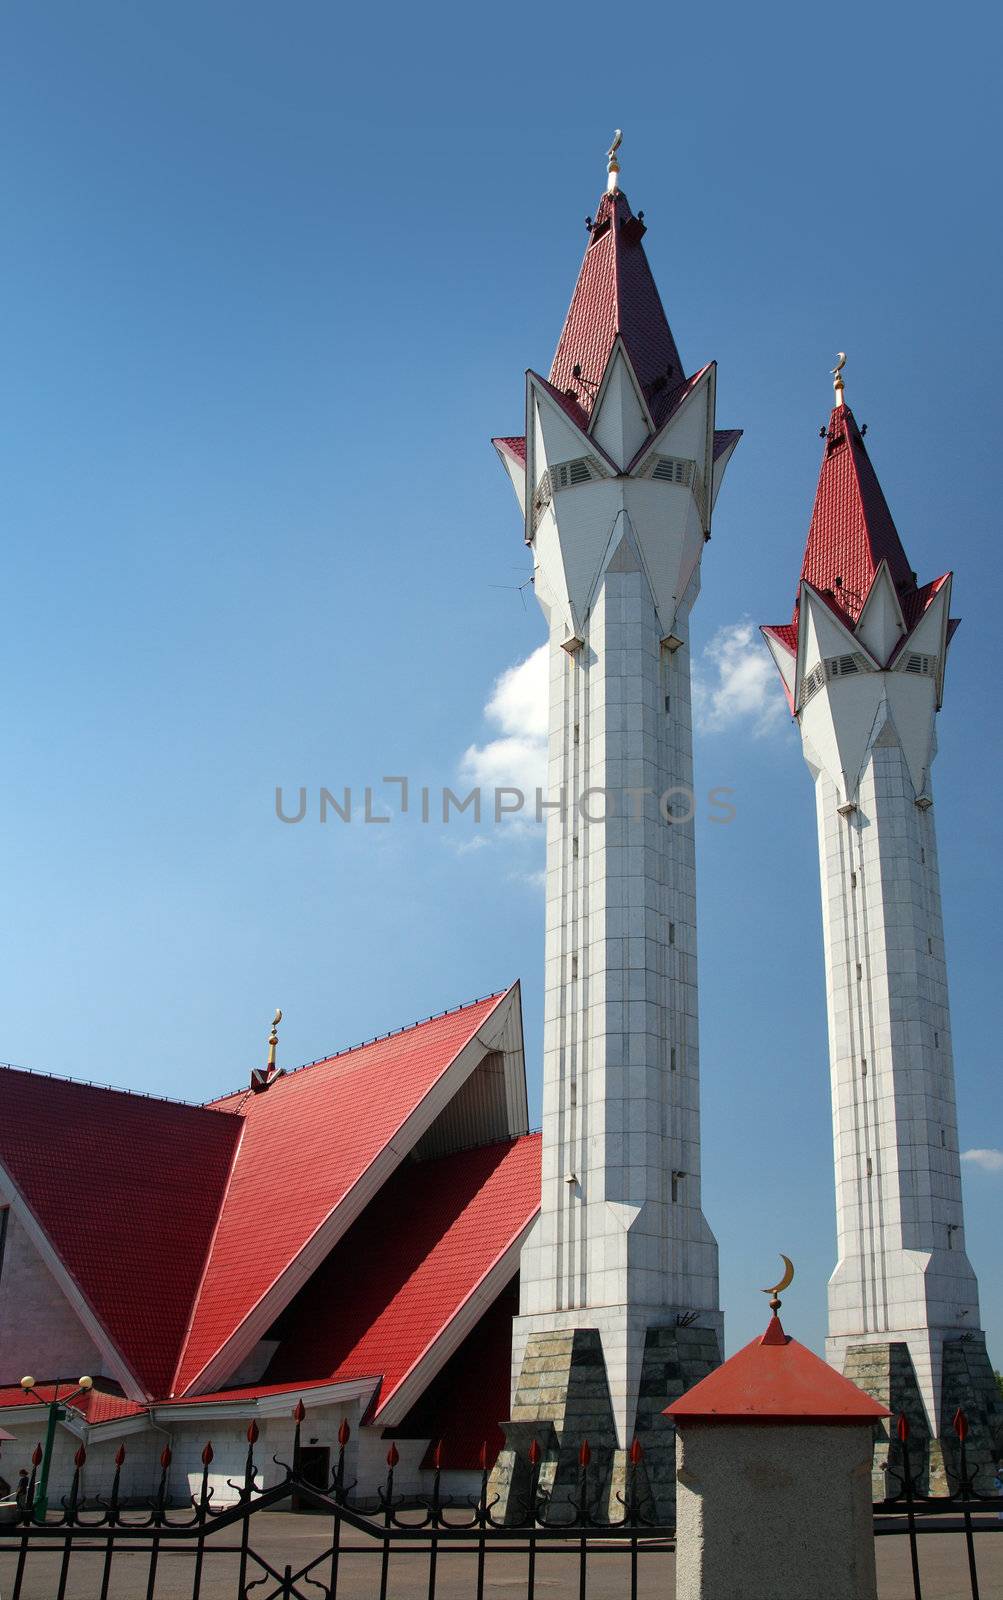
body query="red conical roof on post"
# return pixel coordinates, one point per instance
(616, 294)
(851, 530)
(776, 1380)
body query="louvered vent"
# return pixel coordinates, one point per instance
(813, 683)
(566, 474)
(926, 666)
(681, 470)
(832, 667)
(541, 500)
(672, 469)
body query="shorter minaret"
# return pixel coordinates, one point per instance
(862, 662)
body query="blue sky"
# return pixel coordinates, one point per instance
(271, 279)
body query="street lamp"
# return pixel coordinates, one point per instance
(40, 1505)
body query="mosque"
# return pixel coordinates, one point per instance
(378, 1235)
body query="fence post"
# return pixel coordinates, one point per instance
(773, 1474)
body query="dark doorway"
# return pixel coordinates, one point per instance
(315, 1469)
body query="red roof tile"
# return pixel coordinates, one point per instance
(246, 1391)
(306, 1143)
(127, 1189)
(851, 533)
(723, 437)
(616, 294)
(398, 1278)
(775, 1379)
(98, 1405)
(462, 1405)
(851, 530)
(515, 446)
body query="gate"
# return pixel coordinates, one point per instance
(103, 1549)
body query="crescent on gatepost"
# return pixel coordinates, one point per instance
(786, 1280)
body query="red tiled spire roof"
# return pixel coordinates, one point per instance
(850, 535)
(851, 530)
(616, 294)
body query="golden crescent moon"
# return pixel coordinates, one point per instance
(840, 364)
(787, 1279)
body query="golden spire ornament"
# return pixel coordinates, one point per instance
(273, 1039)
(613, 164)
(785, 1283)
(837, 377)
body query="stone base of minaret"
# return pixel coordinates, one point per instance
(562, 1397)
(968, 1383)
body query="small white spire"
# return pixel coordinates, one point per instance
(613, 165)
(837, 377)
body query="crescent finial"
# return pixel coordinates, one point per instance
(837, 377)
(273, 1039)
(785, 1282)
(613, 165)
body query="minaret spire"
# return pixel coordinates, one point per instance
(863, 667)
(617, 474)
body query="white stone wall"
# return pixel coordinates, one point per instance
(40, 1333)
(139, 1472)
(764, 1511)
(902, 1271)
(621, 1064)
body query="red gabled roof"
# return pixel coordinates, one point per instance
(306, 1142)
(775, 1379)
(515, 446)
(851, 530)
(398, 1278)
(126, 1189)
(616, 294)
(246, 1391)
(463, 1405)
(100, 1404)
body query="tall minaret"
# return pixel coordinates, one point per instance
(863, 668)
(617, 475)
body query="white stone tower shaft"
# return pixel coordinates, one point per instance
(617, 473)
(863, 667)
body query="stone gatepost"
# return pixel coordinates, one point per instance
(773, 1479)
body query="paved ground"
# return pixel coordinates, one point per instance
(282, 1538)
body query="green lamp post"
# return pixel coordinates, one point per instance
(40, 1505)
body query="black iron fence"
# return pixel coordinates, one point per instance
(963, 1510)
(227, 1545)
(394, 1544)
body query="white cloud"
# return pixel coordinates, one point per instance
(518, 706)
(735, 683)
(988, 1160)
(535, 880)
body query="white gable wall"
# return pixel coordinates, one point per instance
(40, 1332)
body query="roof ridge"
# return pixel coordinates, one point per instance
(109, 1088)
(350, 1049)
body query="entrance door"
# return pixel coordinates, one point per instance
(315, 1469)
